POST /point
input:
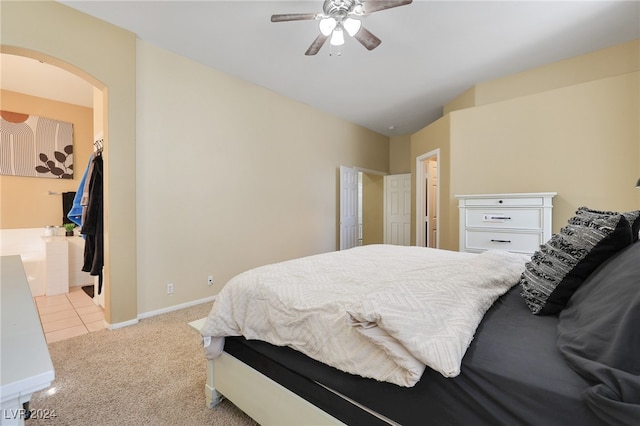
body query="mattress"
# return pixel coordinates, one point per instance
(512, 373)
(378, 311)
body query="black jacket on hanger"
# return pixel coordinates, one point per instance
(92, 227)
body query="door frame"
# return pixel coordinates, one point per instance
(340, 242)
(421, 238)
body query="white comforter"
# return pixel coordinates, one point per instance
(378, 311)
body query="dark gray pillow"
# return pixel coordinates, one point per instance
(598, 336)
(633, 217)
(566, 260)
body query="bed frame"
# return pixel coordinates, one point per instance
(264, 400)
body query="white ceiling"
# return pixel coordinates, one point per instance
(431, 51)
(35, 78)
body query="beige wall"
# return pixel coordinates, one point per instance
(400, 154)
(435, 136)
(231, 176)
(581, 140)
(217, 176)
(373, 208)
(600, 64)
(25, 201)
(105, 56)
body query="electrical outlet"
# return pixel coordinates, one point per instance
(170, 288)
(210, 280)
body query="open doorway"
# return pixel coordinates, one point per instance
(35, 82)
(428, 200)
(105, 56)
(361, 207)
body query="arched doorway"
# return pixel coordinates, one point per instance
(35, 84)
(104, 55)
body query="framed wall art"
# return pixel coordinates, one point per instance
(35, 146)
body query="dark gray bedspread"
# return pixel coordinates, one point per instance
(512, 374)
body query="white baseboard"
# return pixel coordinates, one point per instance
(120, 324)
(150, 314)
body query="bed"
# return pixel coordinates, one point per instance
(353, 335)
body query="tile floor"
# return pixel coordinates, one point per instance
(69, 315)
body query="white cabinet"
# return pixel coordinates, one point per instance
(26, 365)
(513, 222)
(56, 260)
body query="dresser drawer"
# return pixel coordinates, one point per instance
(511, 241)
(509, 202)
(530, 219)
(517, 222)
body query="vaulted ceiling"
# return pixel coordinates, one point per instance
(431, 51)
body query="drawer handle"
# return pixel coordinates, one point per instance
(500, 218)
(500, 241)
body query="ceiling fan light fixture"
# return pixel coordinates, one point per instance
(339, 16)
(352, 26)
(327, 25)
(337, 38)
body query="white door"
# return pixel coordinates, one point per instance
(348, 207)
(432, 210)
(397, 209)
(427, 199)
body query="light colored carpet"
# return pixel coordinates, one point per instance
(151, 373)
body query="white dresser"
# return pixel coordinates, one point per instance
(26, 365)
(514, 222)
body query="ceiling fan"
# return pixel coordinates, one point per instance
(339, 16)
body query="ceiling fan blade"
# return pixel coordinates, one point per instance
(316, 45)
(371, 6)
(367, 39)
(293, 17)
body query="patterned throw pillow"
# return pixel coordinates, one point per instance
(633, 217)
(566, 260)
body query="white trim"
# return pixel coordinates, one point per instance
(545, 195)
(420, 197)
(120, 324)
(370, 171)
(384, 210)
(153, 313)
(176, 307)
